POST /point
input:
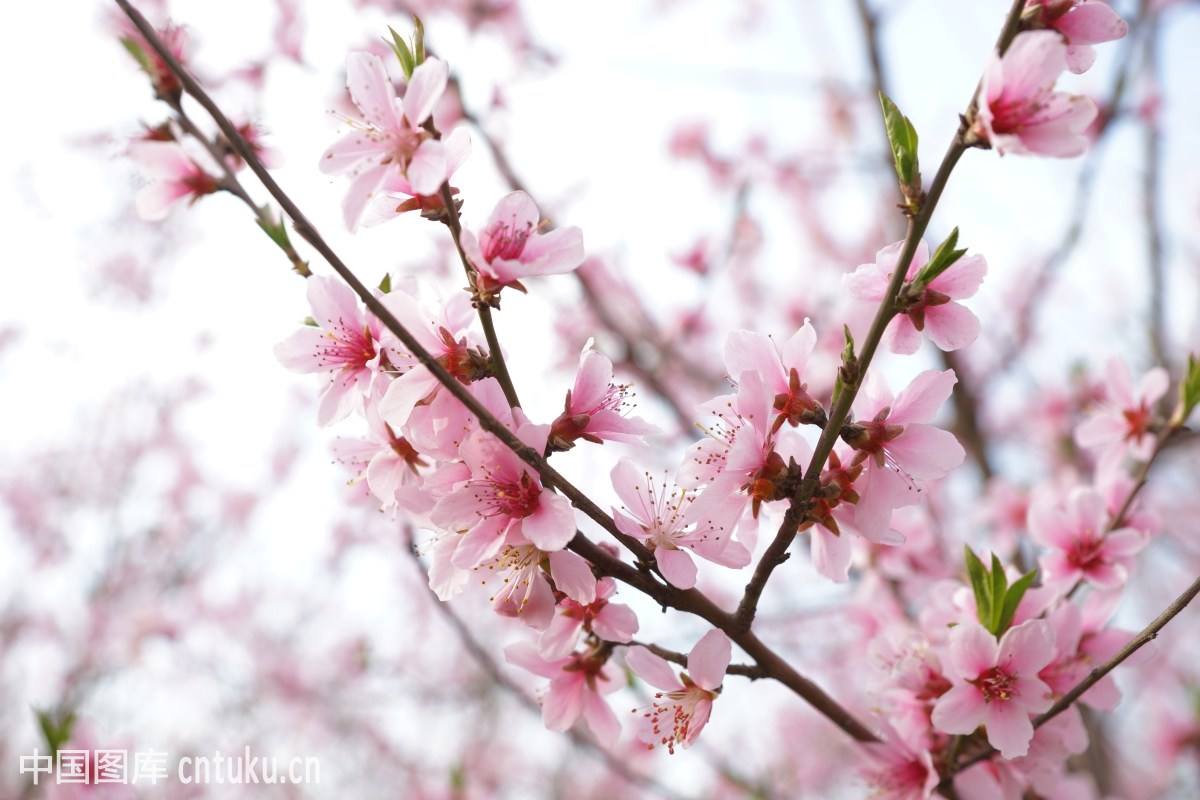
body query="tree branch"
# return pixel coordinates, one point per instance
(690, 600)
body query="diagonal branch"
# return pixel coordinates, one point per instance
(776, 552)
(690, 601)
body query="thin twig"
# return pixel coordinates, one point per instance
(776, 552)
(751, 671)
(1067, 700)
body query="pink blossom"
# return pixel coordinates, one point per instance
(1081, 23)
(741, 461)
(659, 514)
(898, 769)
(1079, 548)
(503, 501)
(996, 685)
(681, 708)
(948, 324)
(389, 139)
(1080, 645)
(781, 368)
(172, 175)
(577, 686)
(510, 248)
(1124, 421)
(1019, 110)
(444, 335)
(612, 622)
(894, 439)
(595, 407)
(344, 343)
(525, 593)
(389, 463)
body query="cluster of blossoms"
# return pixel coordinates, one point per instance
(983, 658)
(1019, 109)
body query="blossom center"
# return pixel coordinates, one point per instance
(996, 684)
(507, 241)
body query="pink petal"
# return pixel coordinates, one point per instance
(371, 89)
(630, 484)
(1153, 385)
(592, 381)
(830, 553)
(560, 636)
(676, 566)
(298, 352)
(600, 719)
(339, 398)
(920, 401)
(526, 656)
(972, 650)
(573, 576)
(951, 326)
(653, 669)
(926, 452)
(427, 169)
(349, 150)
(564, 702)
(903, 336)
(1009, 729)
(1091, 23)
(425, 88)
(553, 253)
(748, 351)
(709, 659)
(616, 622)
(360, 193)
(959, 711)
(404, 393)
(552, 525)
(480, 543)
(1028, 647)
(963, 279)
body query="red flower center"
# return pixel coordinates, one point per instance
(996, 684)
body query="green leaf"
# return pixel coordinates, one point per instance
(981, 585)
(902, 137)
(311, 322)
(385, 285)
(848, 371)
(1012, 599)
(999, 587)
(1189, 391)
(56, 727)
(134, 49)
(403, 54)
(418, 41)
(943, 258)
(277, 231)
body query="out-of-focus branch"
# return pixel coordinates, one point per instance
(1151, 188)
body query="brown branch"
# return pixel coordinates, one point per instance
(690, 601)
(1151, 212)
(751, 671)
(1067, 700)
(964, 398)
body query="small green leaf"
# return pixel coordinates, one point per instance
(276, 230)
(134, 49)
(943, 258)
(56, 727)
(981, 585)
(1189, 391)
(1012, 599)
(848, 370)
(418, 41)
(403, 53)
(999, 587)
(902, 137)
(385, 285)
(310, 322)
